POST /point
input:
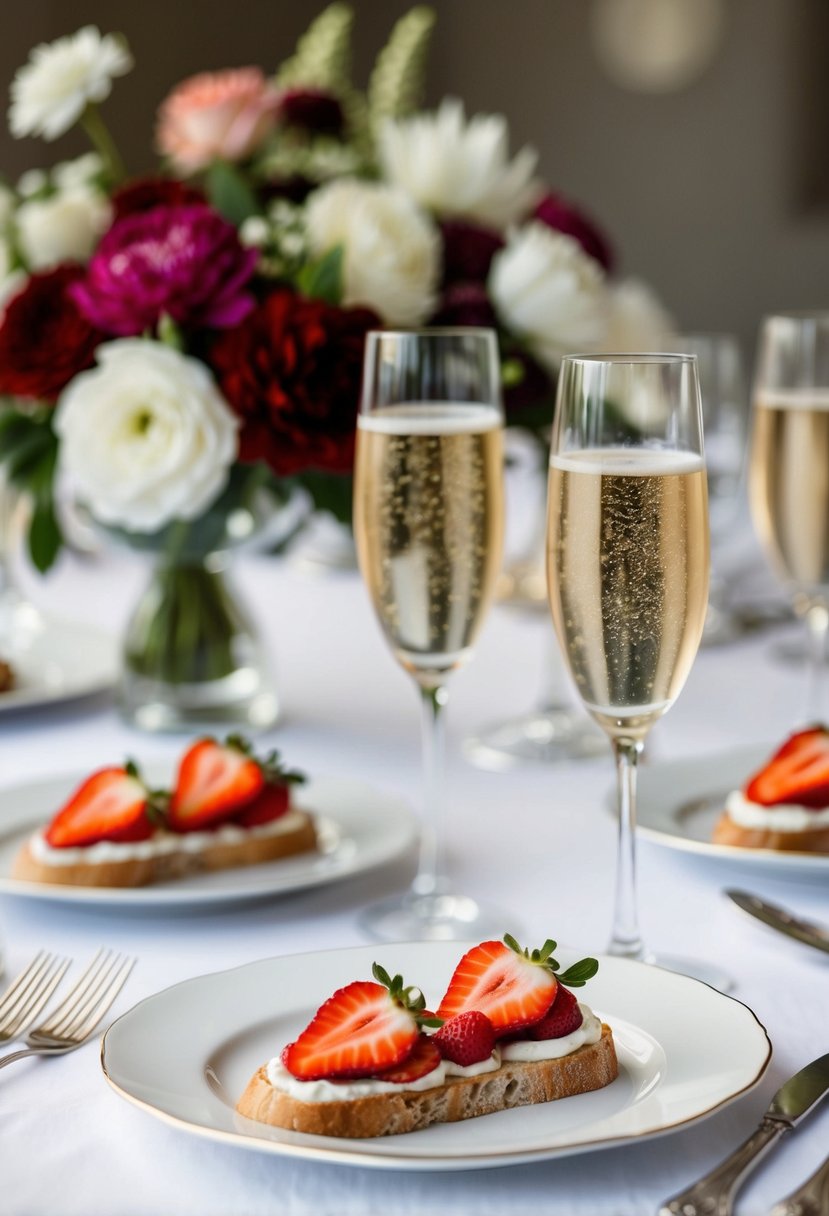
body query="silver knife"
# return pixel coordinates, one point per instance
(713, 1194)
(778, 918)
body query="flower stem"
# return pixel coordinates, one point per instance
(100, 138)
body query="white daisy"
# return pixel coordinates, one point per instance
(51, 91)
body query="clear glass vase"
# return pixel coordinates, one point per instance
(191, 654)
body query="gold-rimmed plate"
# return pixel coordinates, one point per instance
(684, 1049)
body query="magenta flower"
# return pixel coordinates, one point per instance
(468, 250)
(186, 262)
(562, 216)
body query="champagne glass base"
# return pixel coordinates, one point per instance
(437, 917)
(547, 736)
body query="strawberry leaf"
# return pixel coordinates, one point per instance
(580, 972)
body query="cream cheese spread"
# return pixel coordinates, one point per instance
(783, 818)
(343, 1091)
(160, 844)
(590, 1031)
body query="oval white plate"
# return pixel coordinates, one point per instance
(684, 1051)
(679, 801)
(360, 827)
(56, 660)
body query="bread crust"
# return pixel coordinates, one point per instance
(140, 871)
(726, 831)
(515, 1083)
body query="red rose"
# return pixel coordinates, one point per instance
(560, 215)
(291, 371)
(44, 339)
(144, 193)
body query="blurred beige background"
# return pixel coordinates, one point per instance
(717, 193)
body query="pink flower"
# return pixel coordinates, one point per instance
(186, 262)
(216, 116)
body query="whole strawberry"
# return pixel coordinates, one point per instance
(466, 1038)
(563, 1017)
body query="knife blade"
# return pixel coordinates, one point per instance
(713, 1194)
(781, 920)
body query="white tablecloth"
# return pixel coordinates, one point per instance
(68, 1143)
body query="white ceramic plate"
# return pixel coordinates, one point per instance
(684, 1051)
(679, 802)
(56, 660)
(360, 827)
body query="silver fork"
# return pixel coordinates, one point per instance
(26, 996)
(72, 1022)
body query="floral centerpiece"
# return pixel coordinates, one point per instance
(184, 349)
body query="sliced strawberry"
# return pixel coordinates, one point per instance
(359, 1031)
(797, 773)
(563, 1017)
(499, 980)
(422, 1059)
(271, 803)
(110, 805)
(215, 780)
(467, 1038)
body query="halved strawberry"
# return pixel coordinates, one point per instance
(111, 805)
(499, 980)
(363, 1029)
(563, 1017)
(797, 773)
(215, 780)
(465, 1039)
(422, 1059)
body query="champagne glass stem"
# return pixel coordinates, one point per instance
(626, 939)
(429, 878)
(817, 622)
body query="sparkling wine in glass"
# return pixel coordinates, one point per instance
(789, 472)
(429, 517)
(628, 558)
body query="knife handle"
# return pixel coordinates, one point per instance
(712, 1195)
(812, 1199)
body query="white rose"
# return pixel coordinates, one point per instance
(391, 250)
(146, 437)
(637, 320)
(549, 293)
(63, 226)
(52, 90)
(455, 167)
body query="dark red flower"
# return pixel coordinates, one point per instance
(465, 304)
(44, 339)
(144, 193)
(468, 250)
(291, 371)
(556, 212)
(314, 110)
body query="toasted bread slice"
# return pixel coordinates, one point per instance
(513, 1084)
(813, 840)
(138, 871)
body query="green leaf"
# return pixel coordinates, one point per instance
(230, 193)
(323, 279)
(331, 492)
(580, 972)
(45, 537)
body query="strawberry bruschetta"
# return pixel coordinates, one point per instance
(227, 808)
(785, 805)
(374, 1062)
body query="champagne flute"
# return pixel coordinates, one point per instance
(627, 565)
(789, 472)
(429, 518)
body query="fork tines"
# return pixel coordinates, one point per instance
(26, 996)
(91, 997)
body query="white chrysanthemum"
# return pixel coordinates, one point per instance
(146, 437)
(391, 250)
(549, 293)
(63, 226)
(636, 319)
(51, 91)
(455, 167)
